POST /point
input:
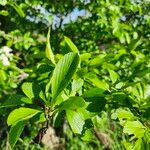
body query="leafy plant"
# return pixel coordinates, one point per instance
(99, 86)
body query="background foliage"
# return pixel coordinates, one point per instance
(80, 66)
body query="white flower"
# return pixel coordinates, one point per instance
(6, 49)
(5, 61)
(5, 55)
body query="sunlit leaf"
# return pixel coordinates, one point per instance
(48, 50)
(4, 13)
(68, 46)
(76, 121)
(33, 91)
(73, 103)
(134, 128)
(96, 81)
(113, 75)
(63, 73)
(20, 114)
(77, 85)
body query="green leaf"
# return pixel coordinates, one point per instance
(33, 91)
(124, 114)
(85, 56)
(20, 114)
(15, 100)
(72, 103)
(48, 50)
(4, 13)
(88, 135)
(15, 132)
(120, 53)
(68, 46)
(58, 118)
(39, 118)
(97, 61)
(134, 128)
(113, 75)
(63, 73)
(77, 85)
(96, 81)
(127, 37)
(97, 104)
(96, 97)
(138, 145)
(135, 43)
(147, 135)
(94, 92)
(120, 98)
(85, 113)
(17, 8)
(76, 121)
